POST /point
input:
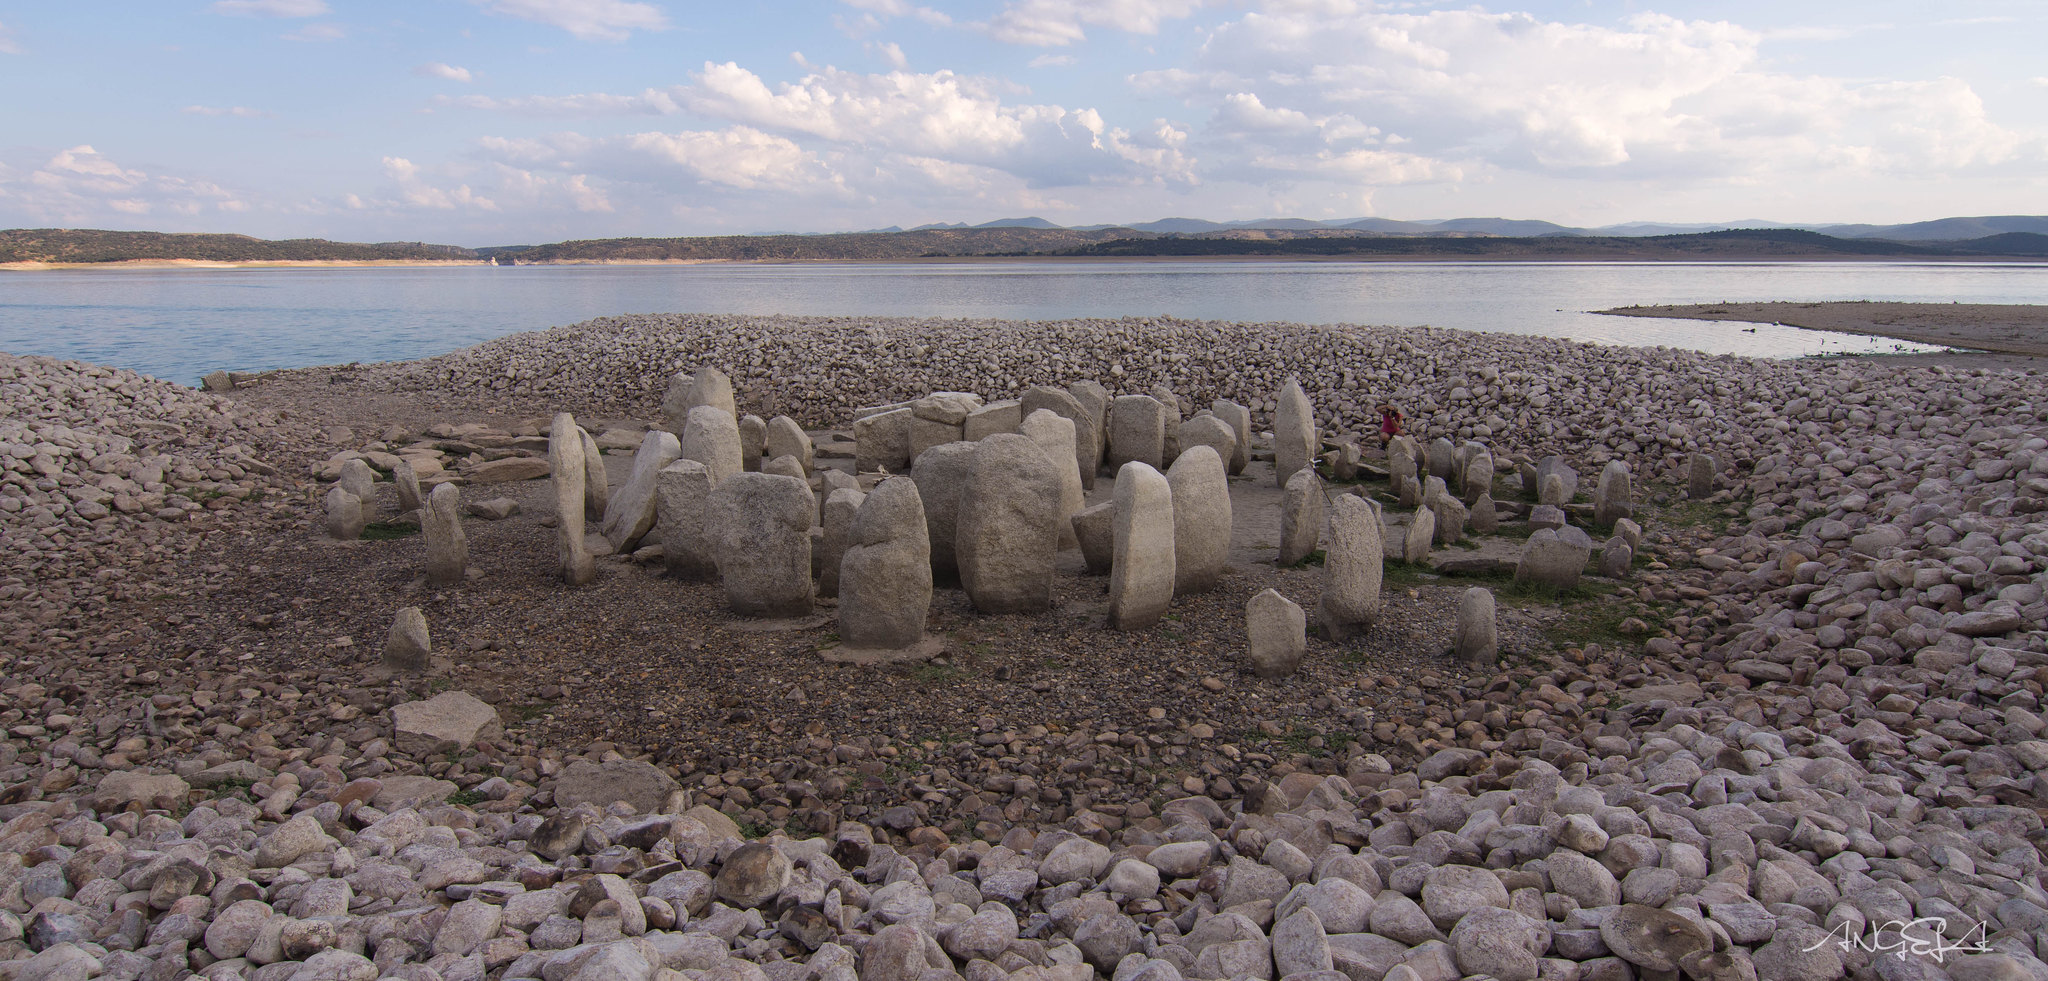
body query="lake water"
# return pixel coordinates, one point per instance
(178, 324)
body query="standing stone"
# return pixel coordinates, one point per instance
(1207, 430)
(786, 438)
(447, 549)
(1055, 437)
(1345, 461)
(1201, 519)
(1240, 420)
(707, 386)
(996, 417)
(711, 436)
(1353, 567)
(940, 472)
(685, 496)
(1554, 557)
(1613, 497)
(1278, 633)
(1087, 426)
(1141, 575)
(1421, 532)
(753, 441)
(1450, 519)
(1552, 490)
(408, 646)
(1568, 480)
(1530, 479)
(1094, 400)
(1699, 480)
(940, 418)
(567, 474)
(1170, 417)
(1006, 536)
(1294, 433)
(1442, 458)
(841, 508)
(1485, 520)
(408, 484)
(1137, 431)
(831, 479)
(1476, 641)
(1401, 464)
(1478, 476)
(760, 529)
(885, 578)
(357, 478)
(1631, 533)
(630, 514)
(1302, 509)
(597, 481)
(787, 466)
(881, 442)
(1407, 491)
(1095, 532)
(344, 514)
(1616, 557)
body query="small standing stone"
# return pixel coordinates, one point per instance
(885, 578)
(940, 472)
(1094, 400)
(1442, 456)
(1613, 497)
(1239, 419)
(707, 386)
(760, 525)
(1201, 519)
(1302, 509)
(1421, 532)
(841, 508)
(1476, 641)
(1095, 532)
(408, 484)
(1699, 481)
(1631, 533)
(1478, 475)
(1616, 557)
(1141, 575)
(1567, 481)
(1401, 461)
(630, 515)
(1087, 426)
(1450, 519)
(358, 479)
(711, 436)
(1485, 520)
(1294, 433)
(881, 442)
(408, 646)
(1554, 558)
(1055, 437)
(1006, 535)
(447, 549)
(567, 474)
(685, 496)
(597, 481)
(1353, 568)
(1170, 418)
(1137, 431)
(786, 438)
(753, 441)
(344, 514)
(1278, 633)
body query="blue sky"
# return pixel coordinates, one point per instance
(482, 122)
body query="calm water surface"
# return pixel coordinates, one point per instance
(181, 323)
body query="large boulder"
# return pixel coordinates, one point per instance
(1201, 519)
(760, 528)
(630, 514)
(1277, 631)
(1353, 566)
(1007, 531)
(885, 578)
(1137, 431)
(1141, 575)
(450, 721)
(940, 472)
(1294, 432)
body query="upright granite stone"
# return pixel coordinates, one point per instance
(1699, 476)
(840, 509)
(1345, 461)
(1277, 630)
(447, 549)
(1442, 458)
(1450, 519)
(597, 481)
(1240, 420)
(786, 438)
(1554, 558)
(567, 475)
(344, 514)
(829, 480)
(1407, 491)
(1478, 476)
(408, 484)
(787, 466)
(630, 515)
(1006, 536)
(1137, 431)
(1421, 532)
(1142, 572)
(753, 442)
(1476, 641)
(940, 473)
(1614, 496)
(1095, 400)
(1087, 426)
(1055, 437)
(1630, 532)
(706, 386)
(760, 528)
(1485, 520)
(996, 417)
(1616, 557)
(1353, 568)
(881, 442)
(408, 646)
(1567, 481)
(711, 436)
(1401, 462)
(1294, 432)
(1207, 430)
(1552, 491)
(1201, 519)
(885, 578)
(940, 418)
(1303, 506)
(1095, 532)
(357, 478)
(1169, 404)
(687, 550)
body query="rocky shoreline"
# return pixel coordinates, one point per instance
(1811, 708)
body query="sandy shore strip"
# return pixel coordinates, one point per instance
(2004, 328)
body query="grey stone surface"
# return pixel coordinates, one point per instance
(630, 514)
(1277, 631)
(1554, 558)
(882, 442)
(1007, 533)
(1353, 566)
(1239, 419)
(1476, 641)
(447, 547)
(1056, 438)
(344, 514)
(1002, 416)
(1201, 519)
(940, 473)
(885, 578)
(452, 720)
(568, 477)
(408, 646)
(1137, 431)
(1304, 511)
(706, 386)
(1141, 574)
(759, 525)
(1614, 496)
(753, 442)
(684, 501)
(1087, 426)
(1204, 429)
(597, 481)
(840, 509)
(1700, 474)
(786, 438)
(1295, 441)
(1095, 532)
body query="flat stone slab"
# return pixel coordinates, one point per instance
(923, 650)
(450, 720)
(506, 470)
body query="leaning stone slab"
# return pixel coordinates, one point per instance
(684, 491)
(1056, 438)
(753, 442)
(1476, 640)
(631, 513)
(1007, 532)
(1240, 420)
(344, 514)
(597, 481)
(1087, 426)
(1095, 532)
(760, 527)
(565, 461)
(1294, 432)
(1201, 519)
(450, 721)
(839, 510)
(1277, 631)
(1137, 431)
(882, 442)
(408, 646)
(447, 547)
(1141, 575)
(885, 577)
(1303, 507)
(996, 417)
(1353, 568)
(786, 438)
(1205, 429)
(940, 472)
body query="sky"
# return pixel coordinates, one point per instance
(492, 122)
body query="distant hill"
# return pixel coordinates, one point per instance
(913, 244)
(93, 245)
(1945, 229)
(1768, 243)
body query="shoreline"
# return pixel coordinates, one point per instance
(2013, 335)
(218, 265)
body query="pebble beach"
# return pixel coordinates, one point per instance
(1809, 708)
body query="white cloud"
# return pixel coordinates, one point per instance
(271, 8)
(737, 157)
(1052, 61)
(7, 43)
(317, 32)
(899, 8)
(416, 191)
(435, 69)
(590, 20)
(239, 112)
(656, 102)
(890, 53)
(1052, 23)
(80, 185)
